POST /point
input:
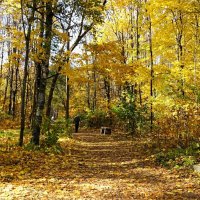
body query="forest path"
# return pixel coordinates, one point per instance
(94, 166)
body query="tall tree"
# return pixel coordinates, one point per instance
(27, 27)
(89, 13)
(44, 70)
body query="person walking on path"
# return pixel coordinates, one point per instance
(76, 122)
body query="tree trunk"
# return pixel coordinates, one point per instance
(178, 18)
(23, 94)
(50, 97)
(67, 100)
(107, 90)
(2, 57)
(24, 84)
(15, 87)
(140, 94)
(44, 74)
(5, 92)
(88, 92)
(151, 71)
(196, 45)
(35, 95)
(11, 91)
(38, 69)
(137, 34)
(94, 102)
(67, 89)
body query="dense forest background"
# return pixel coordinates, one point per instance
(130, 64)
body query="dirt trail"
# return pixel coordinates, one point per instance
(99, 167)
(118, 168)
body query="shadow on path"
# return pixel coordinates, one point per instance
(95, 166)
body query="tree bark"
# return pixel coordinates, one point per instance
(196, 45)
(2, 57)
(151, 72)
(38, 69)
(11, 91)
(107, 90)
(94, 101)
(44, 74)
(27, 46)
(50, 97)
(88, 92)
(67, 100)
(5, 92)
(15, 89)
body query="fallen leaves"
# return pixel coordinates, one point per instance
(97, 167)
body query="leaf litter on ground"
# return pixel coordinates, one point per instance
(93, 166)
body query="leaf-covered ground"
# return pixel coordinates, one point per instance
(93, 166)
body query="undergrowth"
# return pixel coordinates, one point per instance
(180, 157)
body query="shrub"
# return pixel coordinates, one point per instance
(179, 157)
(95, 119)
(132, 116)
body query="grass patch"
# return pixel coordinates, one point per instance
(7, 133)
